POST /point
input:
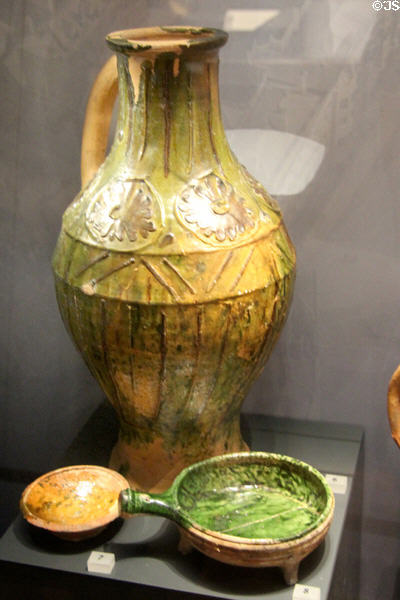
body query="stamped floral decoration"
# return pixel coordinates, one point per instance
(210, 207)
(124, 214)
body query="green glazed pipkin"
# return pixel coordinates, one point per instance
(173, 269)
(256, 496)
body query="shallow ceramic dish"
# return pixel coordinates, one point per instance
(252, 509)
(75, 502)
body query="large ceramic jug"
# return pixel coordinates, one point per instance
(173, 269)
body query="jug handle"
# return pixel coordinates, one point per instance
(97, 120)
(393, 405)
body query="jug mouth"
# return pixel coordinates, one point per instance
(157, 40)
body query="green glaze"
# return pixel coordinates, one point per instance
(174, 271)
(258, 496)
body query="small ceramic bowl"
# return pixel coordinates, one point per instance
(74, 502)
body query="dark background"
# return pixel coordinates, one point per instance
(327, 71)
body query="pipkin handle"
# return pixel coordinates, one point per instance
(131, 503)
(393, 405)
(97, 120)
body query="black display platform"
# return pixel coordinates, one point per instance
(148, 564)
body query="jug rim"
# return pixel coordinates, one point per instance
(161, 39)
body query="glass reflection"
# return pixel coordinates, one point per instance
(283, 162)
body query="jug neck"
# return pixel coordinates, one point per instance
(169, 116)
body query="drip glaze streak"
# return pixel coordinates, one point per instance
(210, 126)
(167, 118)
(190, 116)
(278, 314)
(145, 91)
(106, 356)
(70, 257)
(131, 343)
(131, 102)
(163, 352)
(197, 345)
(149, 288)
(222, 350)
(277, 311)
(78, 319)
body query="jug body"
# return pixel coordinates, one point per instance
(174, 271)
